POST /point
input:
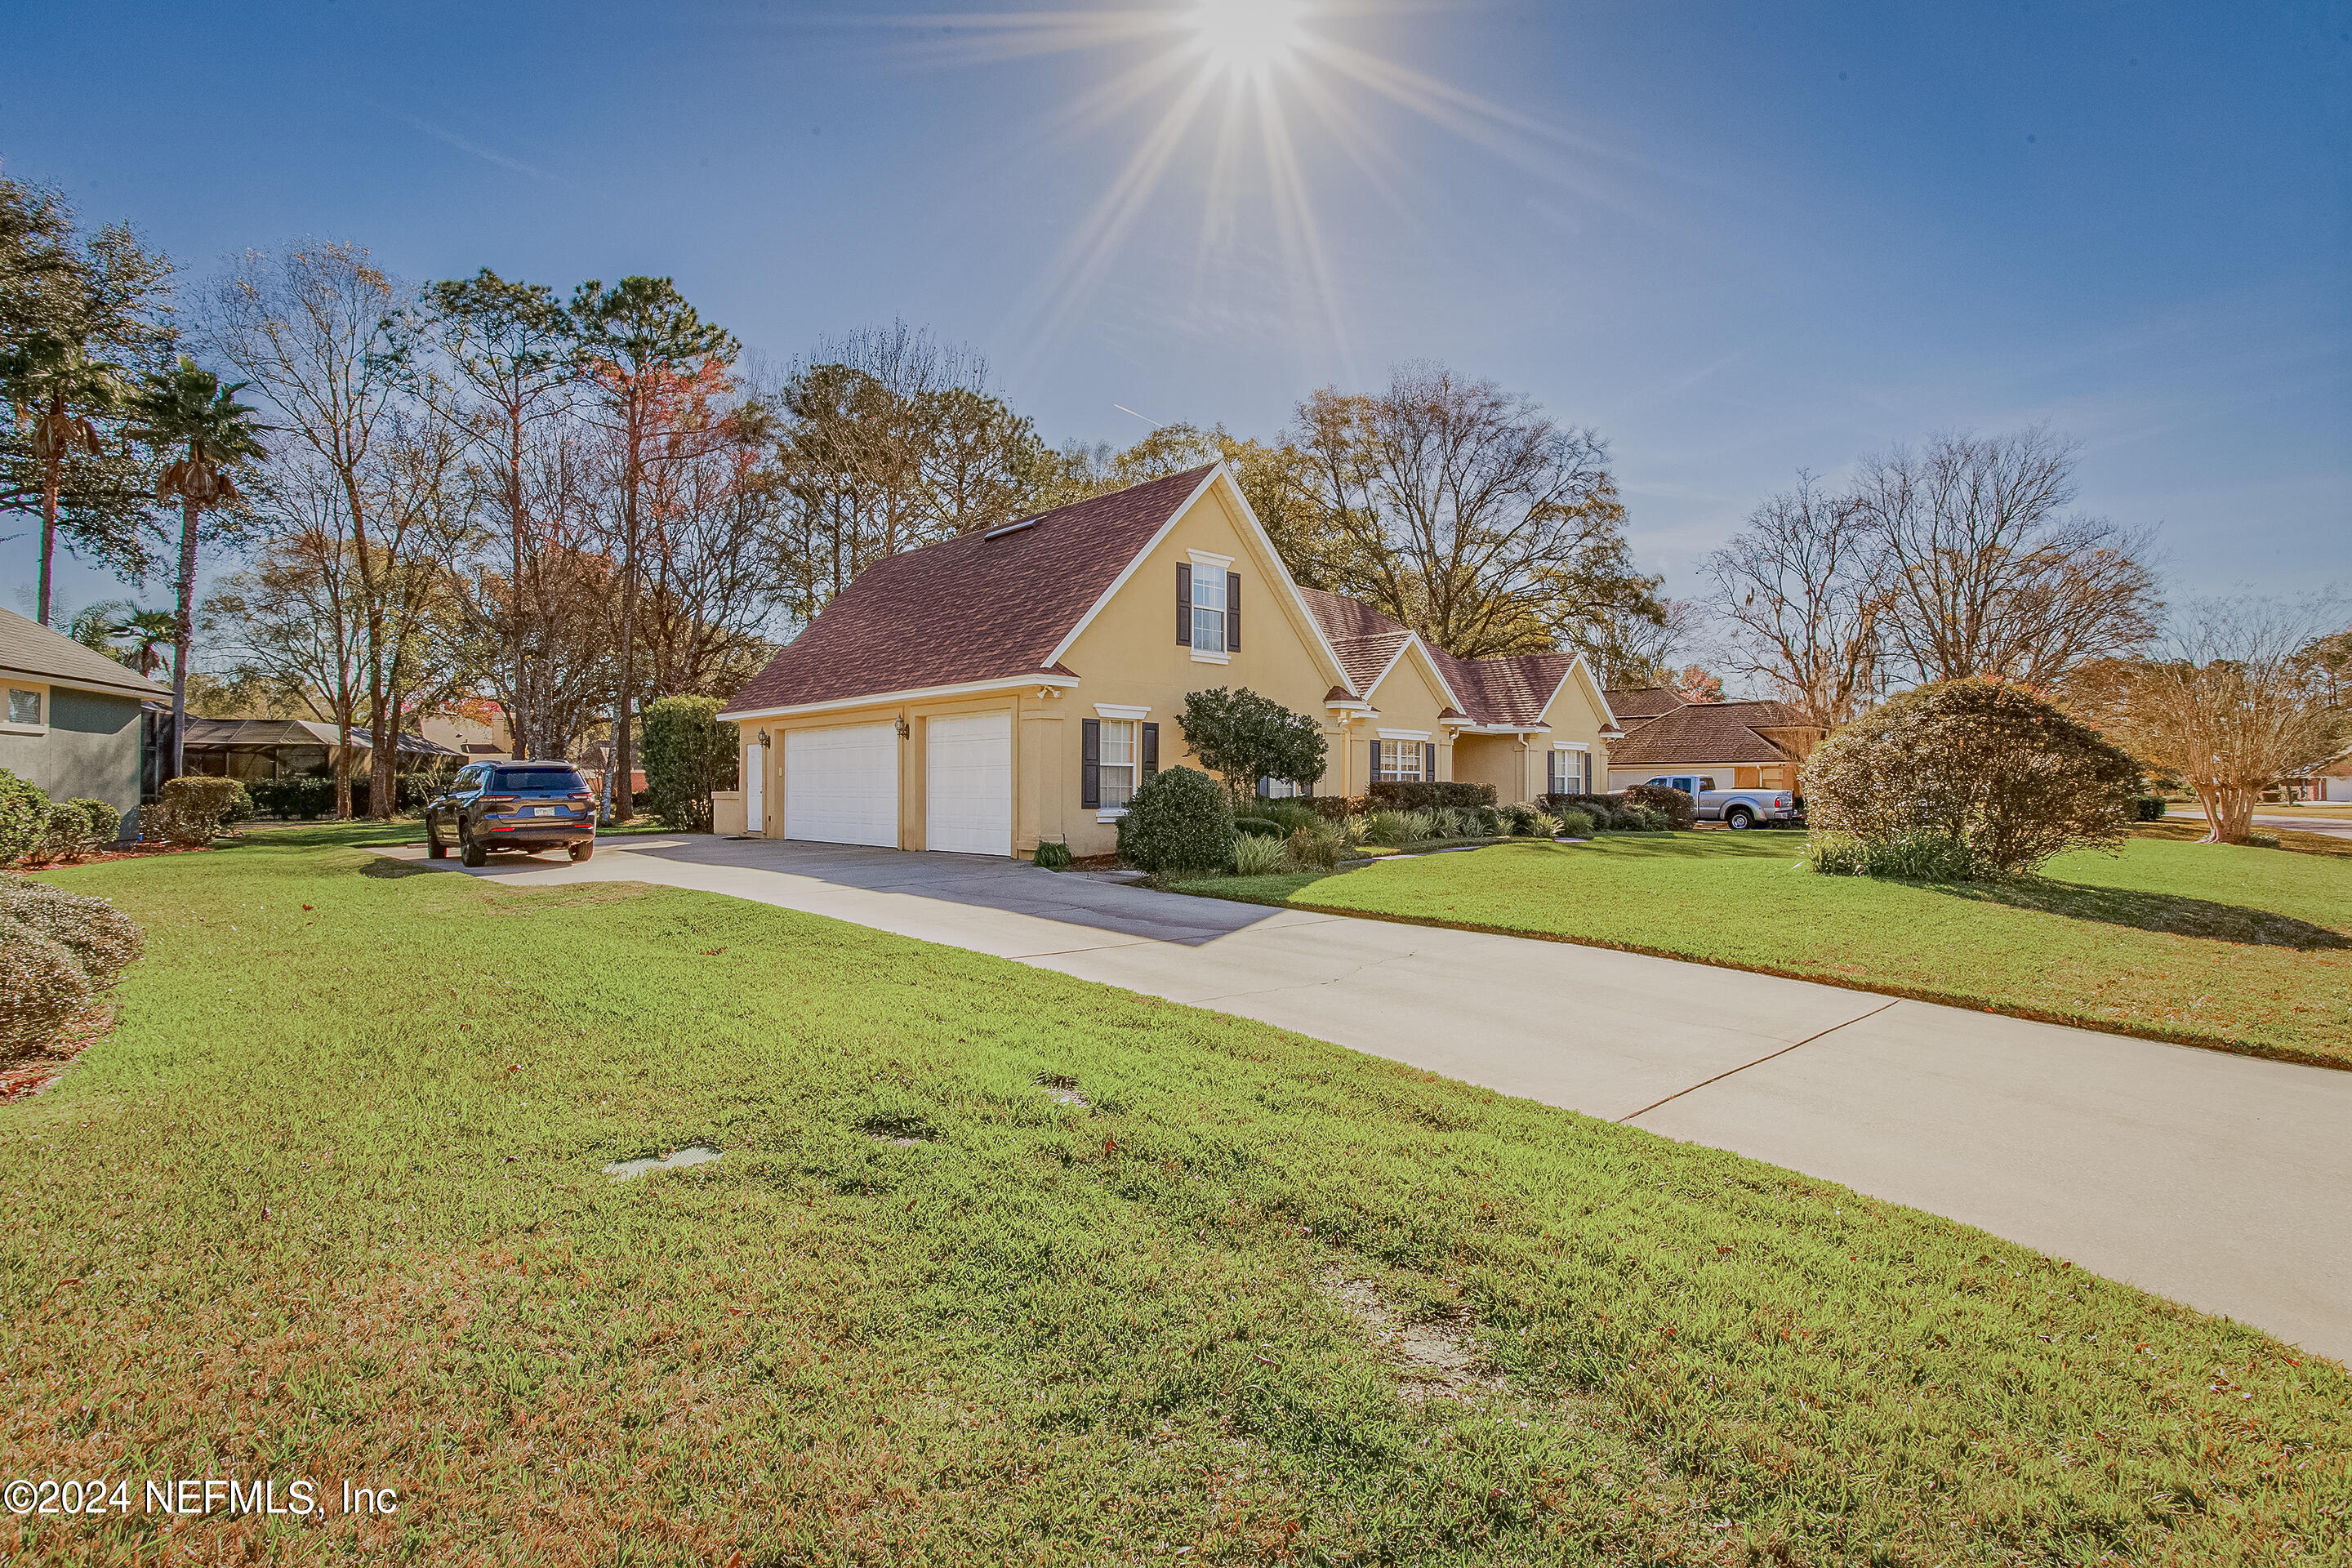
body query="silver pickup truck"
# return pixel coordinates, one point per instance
(1737, 808)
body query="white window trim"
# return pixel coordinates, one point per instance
(1210, 558)
(1118, 710)
(1570, 746)
(1209, 561)
(1405, 735)
(49, 698)
(1200, 657)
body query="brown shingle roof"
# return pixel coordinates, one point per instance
(969, 608)
(1641, 705)
(1699, 733)
(1364, 658)
(1511, 689)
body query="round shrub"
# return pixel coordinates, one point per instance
(98, 938)
(69, 832)
(193, 809)
(40, 986)
(2009, 777)
(1053, 857)
(1178, 821)
(1576, 823)
(105, 821)
(1520, 818)
(23, 818)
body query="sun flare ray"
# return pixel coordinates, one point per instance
(1221, 75)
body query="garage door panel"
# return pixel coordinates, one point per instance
(841, 785)
(967, 784)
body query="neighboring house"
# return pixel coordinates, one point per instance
(475, 739)
(71, 725)
(1742, 745)
(999, 690)
(287, 748)
(2329, 781)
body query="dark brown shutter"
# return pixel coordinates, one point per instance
(1184, 602)
(1148, 762)
(1232, 611)
(1429, 761)
(1373, 777)
(1090, 764)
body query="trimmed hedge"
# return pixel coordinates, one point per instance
(195, 809)
(2149, 807)
(1412, 797)
(1680, 810)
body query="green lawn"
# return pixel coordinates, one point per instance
(2246, 949)
(329, 1205)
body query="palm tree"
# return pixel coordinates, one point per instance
(59, 387)
(186, 410)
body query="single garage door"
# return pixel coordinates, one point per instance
(968, 784)
(841, 785)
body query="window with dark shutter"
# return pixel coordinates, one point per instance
(1184, 602)
(1151, 762)
(1090, 764)
(1374, 777)
(1232, 611)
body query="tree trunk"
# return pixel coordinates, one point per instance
(183, 635)
(49, 480)
(2228, 813)
(517, 727)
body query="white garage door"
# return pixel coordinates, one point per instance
(968, 784)
(841, 786)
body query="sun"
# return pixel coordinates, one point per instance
(1247, 38)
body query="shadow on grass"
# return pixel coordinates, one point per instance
(2168, 912)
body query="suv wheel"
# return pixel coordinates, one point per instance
(1738, 817)
(469, 852)
(583, 851)
(434, 848)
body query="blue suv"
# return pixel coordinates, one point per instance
(529, 806)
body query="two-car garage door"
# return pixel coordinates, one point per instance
(840, 783)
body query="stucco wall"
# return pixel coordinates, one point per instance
(91, 750)
(1129, 657)
(1408, 699)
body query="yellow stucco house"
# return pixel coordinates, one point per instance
(999, 690)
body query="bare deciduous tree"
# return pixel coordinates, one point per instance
(1478, 521)
(1983, 573)
(1798, 590)
(2235, 703)
(308, 326)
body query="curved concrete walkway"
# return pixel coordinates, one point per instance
(2220, 1181)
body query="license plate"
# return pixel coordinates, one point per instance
(538, 811)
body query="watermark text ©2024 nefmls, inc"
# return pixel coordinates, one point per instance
(197, 1497)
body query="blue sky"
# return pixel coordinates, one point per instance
(1738, 240)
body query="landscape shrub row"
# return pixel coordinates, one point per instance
(37, 831)
(307, 799)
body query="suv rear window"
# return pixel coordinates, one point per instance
(540, 778)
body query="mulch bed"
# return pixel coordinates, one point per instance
(25, 1076)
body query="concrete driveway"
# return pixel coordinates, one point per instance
(2220, 1181)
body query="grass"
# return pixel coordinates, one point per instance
(329, 1204)
(2244, 949)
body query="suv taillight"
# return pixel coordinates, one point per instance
(499, 800)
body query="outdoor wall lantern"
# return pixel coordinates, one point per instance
(903, 731)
